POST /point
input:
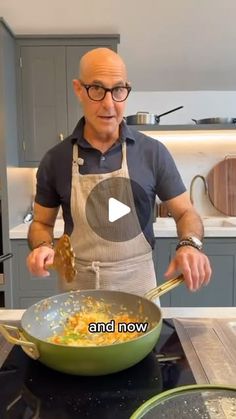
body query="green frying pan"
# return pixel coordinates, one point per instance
(43, 318)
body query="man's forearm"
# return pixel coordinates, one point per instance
(190, 224)
(38, 233)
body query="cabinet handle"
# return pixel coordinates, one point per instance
(61, 137)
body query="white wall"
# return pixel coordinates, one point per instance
(166, 44)
(197, 155)
(193, 155)
(197, 105)
(20, 193)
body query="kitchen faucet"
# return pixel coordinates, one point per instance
(192, 183)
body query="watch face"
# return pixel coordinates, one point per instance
(196, 241)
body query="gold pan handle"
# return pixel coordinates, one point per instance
(28, 347)
(164, 288)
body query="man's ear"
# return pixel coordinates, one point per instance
(77, 88)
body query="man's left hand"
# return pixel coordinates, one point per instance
(193, 264)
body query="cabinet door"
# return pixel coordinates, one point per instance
(73, 56)
(43, 100)
(161, 258)
(27, 288)
(221, 290)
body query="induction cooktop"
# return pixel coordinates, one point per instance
(31, 390)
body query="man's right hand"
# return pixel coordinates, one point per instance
(38, 260)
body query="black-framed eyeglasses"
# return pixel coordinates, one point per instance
(97, 92)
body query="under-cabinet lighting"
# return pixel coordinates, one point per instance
(196, 136)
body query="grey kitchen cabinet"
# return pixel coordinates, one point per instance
(43, 97)
(48, 110)
(8, 148)
(28, 289)
(221, 291)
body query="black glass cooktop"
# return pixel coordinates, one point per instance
(30, 390)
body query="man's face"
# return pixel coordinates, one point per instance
(102, 117)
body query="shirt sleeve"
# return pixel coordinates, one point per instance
(46, 193)
(169, 182)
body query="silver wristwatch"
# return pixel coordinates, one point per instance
(190, 241)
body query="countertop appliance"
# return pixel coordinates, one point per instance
(29, 389)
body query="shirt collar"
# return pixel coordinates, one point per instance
(77, 136)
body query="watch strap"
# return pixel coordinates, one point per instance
(187, 243)
(46, 244)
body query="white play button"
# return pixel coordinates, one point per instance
(116, 209)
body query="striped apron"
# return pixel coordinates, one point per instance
(104, 264)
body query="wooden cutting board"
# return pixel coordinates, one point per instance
(221, 182)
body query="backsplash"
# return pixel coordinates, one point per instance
(194, 155)
(197, 104)
(20, 193)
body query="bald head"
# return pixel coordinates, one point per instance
(103, 61)
(102, 76)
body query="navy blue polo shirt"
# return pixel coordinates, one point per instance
(149, 163)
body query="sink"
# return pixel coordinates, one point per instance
(214, 226)
(208, 222)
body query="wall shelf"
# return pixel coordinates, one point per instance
(190, 127)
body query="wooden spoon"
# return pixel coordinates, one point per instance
(64, 259)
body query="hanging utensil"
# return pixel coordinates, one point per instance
(143, 118)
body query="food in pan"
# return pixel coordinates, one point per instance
(95, 325)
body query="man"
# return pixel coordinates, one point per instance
(103, 148)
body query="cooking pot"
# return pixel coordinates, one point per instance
(43, 318)
(143, 118)
(215, 121)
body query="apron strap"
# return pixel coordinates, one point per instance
(75, 162)
(96, 268)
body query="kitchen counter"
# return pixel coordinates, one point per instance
(163, 227)
(213, 227)
(21, 230)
